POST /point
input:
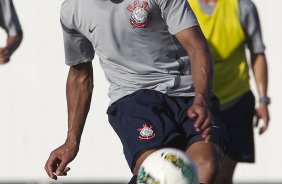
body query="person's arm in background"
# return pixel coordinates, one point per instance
(194, 42)
(10, 23)
(251, 24)
(259, 66)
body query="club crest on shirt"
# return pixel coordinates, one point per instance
(140, 17)
(146, 132)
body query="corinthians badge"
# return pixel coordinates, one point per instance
(140, 17)
(146, 132)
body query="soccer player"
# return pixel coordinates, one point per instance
(10, 23)
(159, 96)
(229, 26)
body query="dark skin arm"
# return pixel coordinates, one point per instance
(259, 66)
(79, 92)
(194, 42)
(13, 43)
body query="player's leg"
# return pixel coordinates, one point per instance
(207, 157)
(227, 170)
(238, 120)
(144, 123)
(133, 180)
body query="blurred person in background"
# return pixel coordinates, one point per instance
(230, 25)
(10, 23)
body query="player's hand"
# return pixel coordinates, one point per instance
(262, 114)
(202, 116)
(58, 160)
(4, 55)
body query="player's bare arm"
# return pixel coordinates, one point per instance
(13, 43)
(79, 92)
(193, 41)
(10, 23)
(259, 65)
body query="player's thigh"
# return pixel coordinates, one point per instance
(143, 123)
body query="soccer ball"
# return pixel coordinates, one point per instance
(167, 166)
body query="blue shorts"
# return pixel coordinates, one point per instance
(238, 120)
(149, 119)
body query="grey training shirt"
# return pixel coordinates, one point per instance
(134, 41)
(8, 18)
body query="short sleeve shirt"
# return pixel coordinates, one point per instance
(134, 41)
(8, 18)
(250, 22)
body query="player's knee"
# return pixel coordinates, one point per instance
(212, 167)
(208, 165)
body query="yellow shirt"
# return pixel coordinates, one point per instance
(225, 35)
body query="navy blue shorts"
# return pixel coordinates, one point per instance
(238, 120)
(149, 119)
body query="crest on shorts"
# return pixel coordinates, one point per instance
(146, 132)
(140, 17)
